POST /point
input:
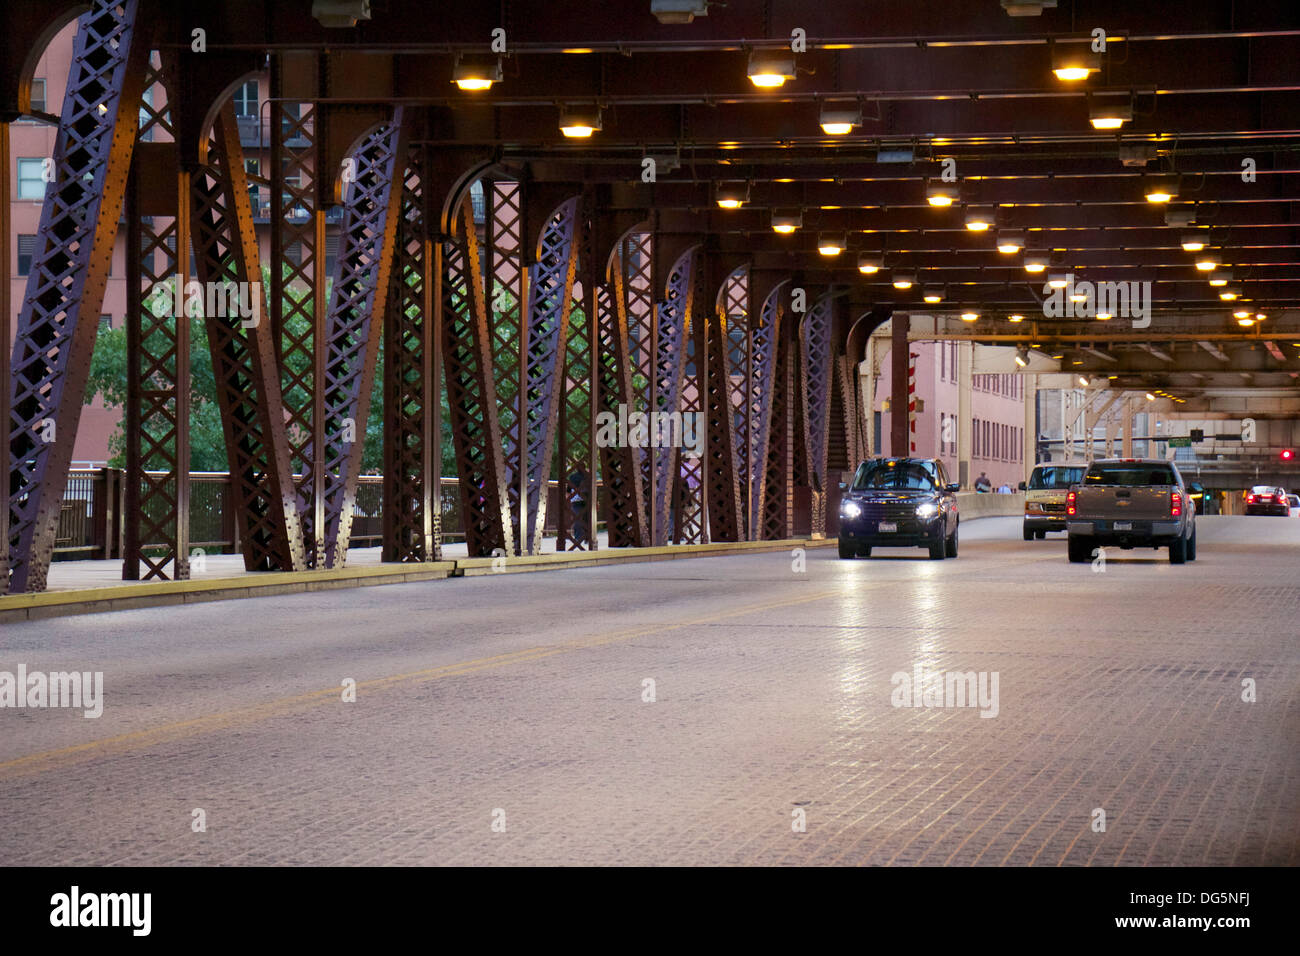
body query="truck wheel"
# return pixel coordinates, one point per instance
(1178, 551)
(1191, 545)
(846, 550)
(1078, 550)
(1029, 534)
(937, 550)
(1040, 535)
(950, 546)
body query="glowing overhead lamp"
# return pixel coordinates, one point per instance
(1009, 242)
(932, 295)
(978, 219)
(1074, 62)
(579, 122)
(1058, 281)
(869, 265)
(1208, 262)
(786, 222)
(940, 193)
(831, 244)
(1017, 317)
(1193, 242)
(769, 69)
(1110, 117)
(1161, 190)
(904, 280)
(970, 316)
(471, 75)
(1036, 263)
(840, 121)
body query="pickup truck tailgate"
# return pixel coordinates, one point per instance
(1116, 501)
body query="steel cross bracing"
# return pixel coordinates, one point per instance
(727, 363)
(577, 408)
(753, 353)
(158, 351)
(243, 359)
(59, 317)
(298, 281)
(412, 444)
(816, 380)
(620, 467)
(471, 392)
(549, 302)
(691, 500)
(674, 317)
(355, 321)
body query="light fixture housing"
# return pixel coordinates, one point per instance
(831, 244)
(1230, 295)
(1208, 262)
(1058, 281)
(769, 69)
(869, 265)
(732, 195)
(1242, 314)
(931, 295)
(1010, 242)
(979, 218)
(472, 75)
(938, 193)
(1037, 262)
(1246, 322)
(970, 316)
(1161, 190)
(1027, 8)
(904, 280)
(579, 122)
(678, 11)
(1016, 317)
(840, 120)
(1075, 61)
(1111, 116)
(1192, 242)
(1180, 217)
(786, 222)
(1104, 316)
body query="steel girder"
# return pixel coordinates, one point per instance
(59, 318)
(578, 402)
(243, 359)
(752, 347)
(673, 318)
(471, 392)
(298, 290)
(5, 294)
(355, 322)
(620, 466)
(412, 519)
(727, 347)
(691, 499)
(157, 430)
(549, 303)
(782, 432)
(817, 380)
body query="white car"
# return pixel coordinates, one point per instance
(1293, 502)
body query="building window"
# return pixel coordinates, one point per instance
(105, 323)
(26, 253)
(31, 181)
(38, 96)
(246, 100)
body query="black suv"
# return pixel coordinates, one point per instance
(899, 503)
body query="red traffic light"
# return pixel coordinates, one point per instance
(1287, 454)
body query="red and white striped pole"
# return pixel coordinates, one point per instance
(911, 400)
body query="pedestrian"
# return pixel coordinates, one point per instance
(576, 493)
(982, 484)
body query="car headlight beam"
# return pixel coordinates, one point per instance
(927, 509)
(850, 509)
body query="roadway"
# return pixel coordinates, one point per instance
(1118, 690)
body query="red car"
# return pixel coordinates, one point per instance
(1267, 500)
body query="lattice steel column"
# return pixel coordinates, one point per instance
(355, 322)
(691, 499)
(817, 377)
(779, 460)
(59, 318)
(727, 340)
(673, 317)
(298, 303)
(550, 299)
(243, 359)
(578, 407)
(620, 466)
(412, 513)
(158, 350)
(471, 392)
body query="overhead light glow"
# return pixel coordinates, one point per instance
(940, 194)
(829, 244)
(472, 76)
(1241, 314)
(1161, 191)
(769, 70)
(1015, 318)
(868, 265)
(1075, 62)
(1192, 242)
(1246, 322)
(1058, 282)
(970, 316)
(978, 220)
(1208, 263)
(1010, 242)
(903, 280)
(932, 296)
(840, 122)
(786, 223)
(1230, 295)
(732, 196)
(1110, 117)
(1104, 316)
(1035, 263)
(579, 122)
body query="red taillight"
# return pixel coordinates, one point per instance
(1069, 503)
(1175, 504)
(1254, 499)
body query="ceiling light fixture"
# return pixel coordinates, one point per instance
(1192, 242)
(679, 11)
(1110, 117)
(970, 316)
(831, 244)
(940, 194)
(978, 219)
(470, 75)
(770, 69)
(1208, 262)
(1036, 263)
(869, 265)
(1074, 62)
(840, 121)
(904, 280)
(1015, 318)
(1161, 190)
(786, 223)
(1009, 242)
(732, 196)
(579, 122)
(1058, 281)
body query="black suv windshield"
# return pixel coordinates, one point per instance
(1055, 477)
(902, 476)
(1129, 474)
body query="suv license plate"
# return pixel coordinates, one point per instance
(1123, 525)
(887, 527)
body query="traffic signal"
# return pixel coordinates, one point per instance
(1287, 454)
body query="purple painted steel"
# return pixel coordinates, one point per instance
(816, 374)
(673, 313)
(355, 322)
(74, 246)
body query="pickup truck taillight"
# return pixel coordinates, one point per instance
(1069, 503)
(1175, 504)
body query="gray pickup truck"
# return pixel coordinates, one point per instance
(1131, 503)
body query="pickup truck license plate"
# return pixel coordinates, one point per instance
(887, 527)
(1123, 525)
